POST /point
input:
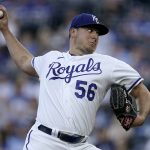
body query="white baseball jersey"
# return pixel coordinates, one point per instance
(72, 88)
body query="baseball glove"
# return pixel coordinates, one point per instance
(123, 106)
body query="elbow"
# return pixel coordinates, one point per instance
(139, 121)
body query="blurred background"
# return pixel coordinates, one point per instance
(41, 26)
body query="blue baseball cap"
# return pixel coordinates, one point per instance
(89, 20)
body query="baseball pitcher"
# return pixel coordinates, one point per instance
(73, 85)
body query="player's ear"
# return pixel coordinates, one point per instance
(73, 32)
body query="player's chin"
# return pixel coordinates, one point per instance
(90, 50)
(92, 45)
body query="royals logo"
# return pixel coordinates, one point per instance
(57, 71)
(95, 19)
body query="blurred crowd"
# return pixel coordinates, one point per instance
(41, 26)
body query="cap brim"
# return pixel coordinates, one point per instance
(102, 29)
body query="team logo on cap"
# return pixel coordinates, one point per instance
(95, 19)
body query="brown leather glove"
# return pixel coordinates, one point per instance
(123, 106)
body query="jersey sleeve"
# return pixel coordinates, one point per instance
(124, 74)
(40, 63)
(37, 63)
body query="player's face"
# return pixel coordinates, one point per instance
(86, 39)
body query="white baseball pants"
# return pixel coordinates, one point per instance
(38, 140)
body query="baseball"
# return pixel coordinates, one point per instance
(1, 14)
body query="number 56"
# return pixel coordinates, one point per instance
(81, 92)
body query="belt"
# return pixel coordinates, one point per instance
(74, 138)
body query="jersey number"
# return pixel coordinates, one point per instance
(81, 91)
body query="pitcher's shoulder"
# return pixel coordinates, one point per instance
(105, 57)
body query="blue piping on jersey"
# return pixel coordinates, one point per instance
(32, 62)
(137, 81)
(28, 139)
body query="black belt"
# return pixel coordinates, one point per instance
(75, 138)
